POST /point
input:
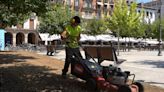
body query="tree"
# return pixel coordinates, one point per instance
(95, 26)
(13, 12)
(124, 20)
(155, 29)
(55, 19)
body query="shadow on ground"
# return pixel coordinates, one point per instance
(11, 58)
(27, 78)
(156, 64)
(143, 81)
(155, 82)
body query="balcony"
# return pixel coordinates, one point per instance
(106, 1)
(87, 15)
(111, 2)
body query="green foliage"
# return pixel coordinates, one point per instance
(124, 19)
(143, 29)
(55, 19)
(13, 12)
(95, 27)
(155, 30)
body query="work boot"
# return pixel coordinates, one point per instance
(63, 75)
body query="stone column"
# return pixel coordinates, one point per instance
(94, 3)
(46, 42)
(108, 8)
(80, 6)
(72, 6)
(26, 38)
(65, 2)
(36, 39)
(102, 9)
(14, 39)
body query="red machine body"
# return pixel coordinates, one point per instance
(108, 79)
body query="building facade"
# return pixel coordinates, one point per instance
(26, 33)
(149, 14)
(158, 5)
(89, 9)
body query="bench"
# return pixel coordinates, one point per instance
(102, 53)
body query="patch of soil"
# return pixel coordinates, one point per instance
(22, 71)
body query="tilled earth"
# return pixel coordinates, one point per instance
(22, 71)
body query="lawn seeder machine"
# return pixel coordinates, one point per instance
(103, 78)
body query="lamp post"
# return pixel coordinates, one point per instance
(160, 32)
(118, 43)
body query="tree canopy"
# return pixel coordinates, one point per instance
(13, 12)
(124, 19)
(154, 29)
(95, 26)
(55, 19)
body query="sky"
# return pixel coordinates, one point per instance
(143, 0)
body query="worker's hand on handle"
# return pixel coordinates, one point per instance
(64, 35)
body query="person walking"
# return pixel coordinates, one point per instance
(71, 37)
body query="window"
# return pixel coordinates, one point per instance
(147, 13)
(111, 6)
(127, 2)
(105, 1)
(76, 2)
(98, 6)
(87, 4)
(151, 14)
(105, 6)
(31, 23)
(68, 2)
(111, 1)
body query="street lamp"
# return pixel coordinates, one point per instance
(160, 32)
(118, 42)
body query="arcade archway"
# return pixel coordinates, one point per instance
(31, 38)
(8, 38)
(20, 38)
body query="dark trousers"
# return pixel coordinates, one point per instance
(70, 53)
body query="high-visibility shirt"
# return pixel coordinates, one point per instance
(72, 33)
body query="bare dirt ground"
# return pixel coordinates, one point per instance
(22, 71)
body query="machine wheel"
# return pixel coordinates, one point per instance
(124, 88)
(140, 86)
(91, 84)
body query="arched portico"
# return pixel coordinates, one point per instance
(31, 38)
(20, 38)
(8, 38)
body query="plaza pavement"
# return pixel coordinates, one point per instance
(146, 65)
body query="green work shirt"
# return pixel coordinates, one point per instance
(72, 33)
